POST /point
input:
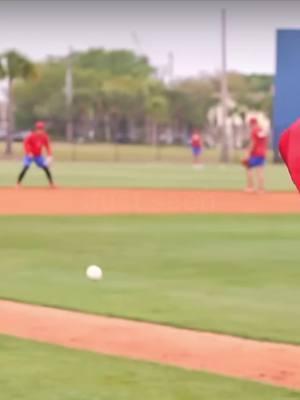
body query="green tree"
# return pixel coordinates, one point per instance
(157, 109)
(190, 101)
(253, 91)
(114, 63)
(14, 66)
(116, 86)
(108, 87)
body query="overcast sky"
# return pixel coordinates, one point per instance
(190, 29)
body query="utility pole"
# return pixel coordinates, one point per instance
(171, 63)
(69, 98)
(224, 88)
(137, 43)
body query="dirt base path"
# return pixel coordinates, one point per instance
(138, 201)
(271, 363)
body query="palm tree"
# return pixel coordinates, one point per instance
(13, 66)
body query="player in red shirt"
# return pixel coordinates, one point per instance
(34, 144)
(289, 148)
(196, 143)
(256, 157)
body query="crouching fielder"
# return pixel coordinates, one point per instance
(256, 157)
(34, 144)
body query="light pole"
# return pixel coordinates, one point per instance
(137, 43)
(171, 63)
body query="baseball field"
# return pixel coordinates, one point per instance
(200, 295)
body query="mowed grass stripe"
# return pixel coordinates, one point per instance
(224, 274)
(144, 175)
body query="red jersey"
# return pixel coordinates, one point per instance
(259, 142)
(289, 147)
(35, 143)
(196, 140)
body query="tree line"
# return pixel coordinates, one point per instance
(117, 96)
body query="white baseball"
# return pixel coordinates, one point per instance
(94, 272)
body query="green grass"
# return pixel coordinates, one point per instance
(138, 166)
(226, 274)
(32, 371)
(146, 175)
(120, 152)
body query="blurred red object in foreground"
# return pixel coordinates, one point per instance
(289, 148)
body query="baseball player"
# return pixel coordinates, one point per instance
(256, 157)
(34, 145)
(196, 144)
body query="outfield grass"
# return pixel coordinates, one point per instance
(225, 274)
(146, 175)
(31, 371)
(122, 152)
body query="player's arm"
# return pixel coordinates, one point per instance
(251, 144)
(48, 147)
(200, 141)
(262, 133)
(47, 144)
(250, 147)
(27, 146)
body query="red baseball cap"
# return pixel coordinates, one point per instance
(289, 148)
(40, 125)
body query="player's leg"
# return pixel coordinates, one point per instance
(247, 163)
(22, 174)
(199, 160)
(49, 175)
(42, 163)
(260, 178)
(199, 154)
(26, 165)
(196, 155)
(250, 180)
